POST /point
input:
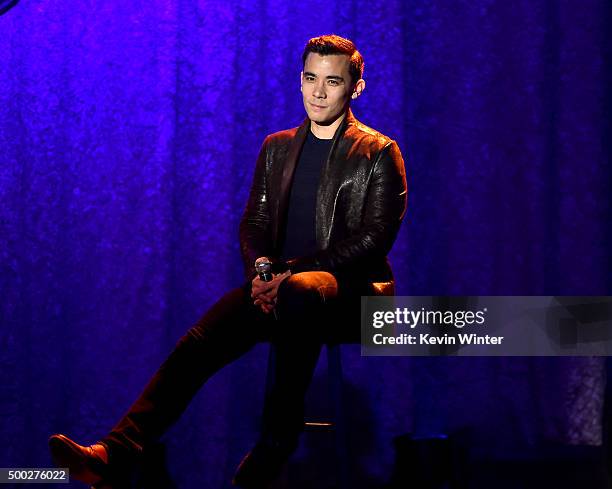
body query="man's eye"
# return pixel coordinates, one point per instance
(334, 82)
(309, 78)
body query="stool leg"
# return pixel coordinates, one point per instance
(334, 365)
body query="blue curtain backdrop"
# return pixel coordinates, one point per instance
(128, 135)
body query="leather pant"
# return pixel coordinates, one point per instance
(312, 309)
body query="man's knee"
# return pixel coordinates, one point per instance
(299, 293)
(322, 285)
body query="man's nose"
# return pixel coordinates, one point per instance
(319, 90)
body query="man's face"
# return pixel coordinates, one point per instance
(326, 87)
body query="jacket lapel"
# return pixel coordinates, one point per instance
(330, 180)
(288, 171)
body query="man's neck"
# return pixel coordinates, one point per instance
(327, 131)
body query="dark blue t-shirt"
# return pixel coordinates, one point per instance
(300, 237)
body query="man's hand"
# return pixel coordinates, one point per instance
(264, 293)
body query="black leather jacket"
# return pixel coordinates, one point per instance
(361, 201)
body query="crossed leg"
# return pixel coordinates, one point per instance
(230, 328)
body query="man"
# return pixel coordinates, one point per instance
(324, 209)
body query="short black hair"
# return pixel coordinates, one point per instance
(333, 44)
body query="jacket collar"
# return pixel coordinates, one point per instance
(338, 153)
(296, 148)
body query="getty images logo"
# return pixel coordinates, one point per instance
(414, 318)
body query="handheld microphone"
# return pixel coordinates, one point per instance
(263, 267)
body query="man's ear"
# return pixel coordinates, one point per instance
(358, 88)
(301, 80)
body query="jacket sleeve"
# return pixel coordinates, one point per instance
(384, 211)
(255, 235)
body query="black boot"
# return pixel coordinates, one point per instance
(94, 465)
(88, 464)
